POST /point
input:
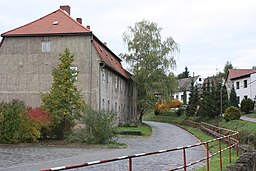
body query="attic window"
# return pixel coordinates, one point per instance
(55, 23)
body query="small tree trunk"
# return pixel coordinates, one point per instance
(141, 115)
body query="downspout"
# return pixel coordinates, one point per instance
(102, 65)
(90, 72)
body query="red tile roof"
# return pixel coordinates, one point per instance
(110, 59)
(57, 22)
(236, 73)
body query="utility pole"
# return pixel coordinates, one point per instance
(221, 97)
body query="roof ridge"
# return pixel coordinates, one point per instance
(41, 18)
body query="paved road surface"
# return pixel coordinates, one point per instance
(250, 119)
(165, 136)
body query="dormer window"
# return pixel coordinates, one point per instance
(55, 23)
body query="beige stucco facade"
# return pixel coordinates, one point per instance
(25, 71)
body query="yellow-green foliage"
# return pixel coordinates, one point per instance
(164, 106)
(232, 113)
(15, 126)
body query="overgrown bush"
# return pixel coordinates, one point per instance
(232, 113)
(15, 124)
(10, 126)
(41, 119)
(98, 127)
(247, 105)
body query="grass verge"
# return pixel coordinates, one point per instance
(252, 115)
(214, 147)
(144, 129)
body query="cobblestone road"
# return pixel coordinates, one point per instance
(165, 136)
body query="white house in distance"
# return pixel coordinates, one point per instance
(244, 82)
(185, 85)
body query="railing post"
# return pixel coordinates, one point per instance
(207, 157)
(184, 158)
(229, 144)
(130, 164)
(220, 154)
(236, 145)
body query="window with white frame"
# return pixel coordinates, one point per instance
(116, 82)
(103, 104)
(46, 46)
(74, 69)
(103, 75)
(107, 76)
(121, 86)
(116, 107)
(109, 106)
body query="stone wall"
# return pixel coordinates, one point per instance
(246, 162)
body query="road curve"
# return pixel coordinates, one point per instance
(165, 136)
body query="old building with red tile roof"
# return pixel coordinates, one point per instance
(244, 82)
(30, 52)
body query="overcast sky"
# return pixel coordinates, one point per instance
(209, 32)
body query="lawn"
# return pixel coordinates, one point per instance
(252, 115)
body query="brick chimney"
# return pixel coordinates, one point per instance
(88, 27)
(66, 8)
(79, 20)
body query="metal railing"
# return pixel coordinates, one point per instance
(226, 136)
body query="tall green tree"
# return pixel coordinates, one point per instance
(233, 101)
(184, 74)
(193, 99)
(224, 74)
(63, 101)
(214, 99)
(227, 66)
(205, 103)
(151, 61)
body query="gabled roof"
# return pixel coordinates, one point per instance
(60, 22)
(185, 83)
(57, 22)
(237, 73)
(109, 58)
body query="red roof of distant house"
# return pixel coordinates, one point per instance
(110, 59)
(57, 22)
(236, 73)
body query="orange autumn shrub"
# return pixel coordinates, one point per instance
(163, 106)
